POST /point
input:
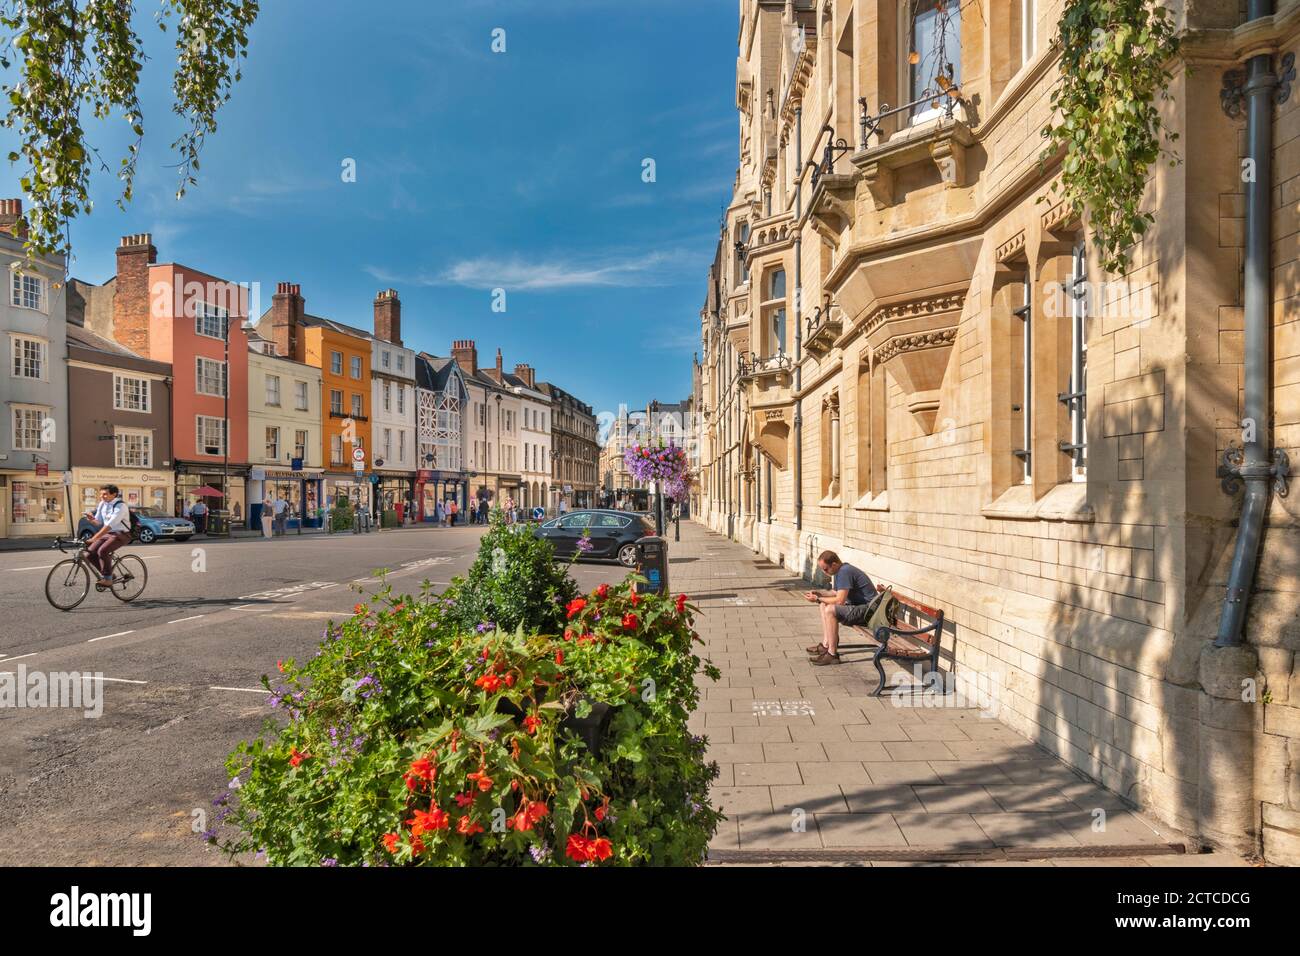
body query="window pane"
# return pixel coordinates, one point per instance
(936, 40)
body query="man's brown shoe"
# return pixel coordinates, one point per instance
(825, 659)
(816, 649)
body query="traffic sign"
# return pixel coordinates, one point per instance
(359, 455)
(539, 514)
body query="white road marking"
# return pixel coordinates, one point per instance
(41, 567)
(182, 620)
(243, 607)
(113, 680)
(10, 660)
(107, 636)
(242, 690)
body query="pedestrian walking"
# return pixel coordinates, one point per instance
(439, 513)
(482, 511)
(268, 516)
(451, 516)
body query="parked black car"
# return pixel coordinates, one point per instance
(613, 534)
(147, 526)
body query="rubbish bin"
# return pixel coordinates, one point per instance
(219, 521)
(652, 564)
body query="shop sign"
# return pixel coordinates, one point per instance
(42, 469)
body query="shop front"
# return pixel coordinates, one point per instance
(34, 505)
(354, 486)
(301, 488)
(445, 486)
(192, 479)
(140, 488)
(394, 493)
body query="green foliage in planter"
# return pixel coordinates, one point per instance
(341, 518)
(513, 581)
(1115, 60)
(411, 742)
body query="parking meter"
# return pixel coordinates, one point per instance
(652, 564)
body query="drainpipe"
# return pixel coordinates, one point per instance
(798, 324)
(1252, 463)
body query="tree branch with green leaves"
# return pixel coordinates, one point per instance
(70, 59)
(1115, 64)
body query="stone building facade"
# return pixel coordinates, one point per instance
(911, 355)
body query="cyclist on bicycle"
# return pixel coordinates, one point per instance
(114, 520)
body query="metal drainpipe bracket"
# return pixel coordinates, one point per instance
(1234, 470)
(1232, 97)
(1285, 76)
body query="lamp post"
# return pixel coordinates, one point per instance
(225, 422)
(498, 445)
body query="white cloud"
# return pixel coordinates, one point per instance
(634, 270)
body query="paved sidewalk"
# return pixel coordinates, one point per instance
(814, 768)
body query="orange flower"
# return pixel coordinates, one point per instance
(531, 723)
(295, 757)
(489, 683)
(358, 608)
(630, 621)
(468, 827)
(390, 842)
(602, 592)
(536, 810)
(483, 780)
(575, 606)
(601, 849)
(559, 658)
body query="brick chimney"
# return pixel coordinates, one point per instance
(388, 316)
(497, 374)
(286, 321)
(466, 355)
(131, 297)
(11, 211)
(526, 374)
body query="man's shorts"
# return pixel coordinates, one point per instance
(852, 613)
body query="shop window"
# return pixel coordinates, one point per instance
(37, 502)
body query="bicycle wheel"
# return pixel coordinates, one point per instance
(129, 577)
(67, 584)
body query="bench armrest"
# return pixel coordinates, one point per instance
(886, 630)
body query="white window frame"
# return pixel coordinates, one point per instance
(341, 409)
(17, 358)
(200, 444)
(205, 312)
(272, 449)
(301, 396)
(1028, 27)
(358, 405)
(356, 367)
(401, 399)
(336, 363)
(300, 438)
(273, 393)
(201, 378)
(385, 358)
(43, 411)
(120, 383)
(401, 362)
(388, 396)
(146, 447)
(388, 444)
(401, 446)
(336, 450)
(19, 291)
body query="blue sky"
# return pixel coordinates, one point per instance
(474, 170)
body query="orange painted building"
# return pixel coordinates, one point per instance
(342, 353)
(172, 313)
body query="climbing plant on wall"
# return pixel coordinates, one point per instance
(1116, 57)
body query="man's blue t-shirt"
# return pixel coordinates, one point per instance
(859, 586)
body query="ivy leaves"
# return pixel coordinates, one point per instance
(83, 57)
(1114, 65)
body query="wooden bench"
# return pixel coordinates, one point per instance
(903, 643)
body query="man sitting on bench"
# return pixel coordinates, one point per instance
(848, 602)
